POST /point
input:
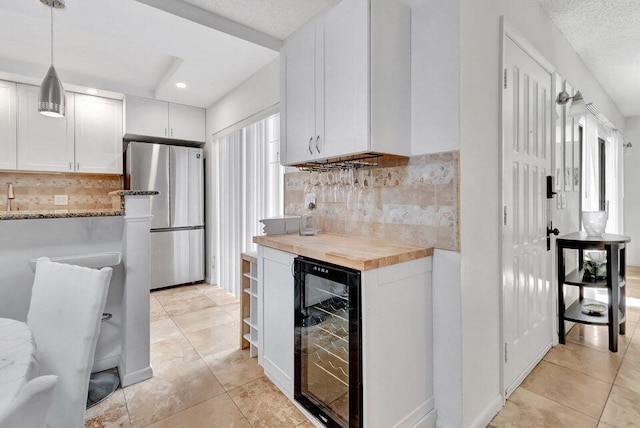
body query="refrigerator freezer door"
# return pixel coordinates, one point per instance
(148, 169)
(170, 258)
(196, 255)
(187, 188)
(196, 187)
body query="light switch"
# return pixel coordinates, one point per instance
(61, 200)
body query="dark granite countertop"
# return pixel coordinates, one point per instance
(134, 193)
(30, 215)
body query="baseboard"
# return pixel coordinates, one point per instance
(489, 413)
(105, 363)
(417, 416)
(135, 377)
(428, 421)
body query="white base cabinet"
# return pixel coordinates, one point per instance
(275, 314)
(397, 338)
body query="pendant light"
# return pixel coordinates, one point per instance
(51, 101)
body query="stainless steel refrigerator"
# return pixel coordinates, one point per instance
(177, 227)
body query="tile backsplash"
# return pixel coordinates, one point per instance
(34, 191)
(409, 200)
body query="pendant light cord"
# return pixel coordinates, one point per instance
(52, 33)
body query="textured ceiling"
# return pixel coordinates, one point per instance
(277, 18)
(127, 47)
(606, 34)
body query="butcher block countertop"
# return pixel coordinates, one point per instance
(354, 252)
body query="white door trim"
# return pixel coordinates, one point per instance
(507, 31)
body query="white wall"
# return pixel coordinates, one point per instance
(258, 93)
(435, 76)
(22, 240)
(480, 178)
(631, 189)
(447, 339)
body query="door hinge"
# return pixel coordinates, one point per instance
(506, 352)
(505, 78)
(504, 215)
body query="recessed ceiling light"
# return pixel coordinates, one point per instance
(181, 85)
(92, 91)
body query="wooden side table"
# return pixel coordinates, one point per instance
(615, 283)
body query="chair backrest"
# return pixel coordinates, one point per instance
(64, 315)
(29, 408)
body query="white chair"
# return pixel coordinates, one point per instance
(29, 408)
(64, 315)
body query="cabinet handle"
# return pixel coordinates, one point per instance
(317, 145)
(70, 166)
(78, 166)
(310, 148)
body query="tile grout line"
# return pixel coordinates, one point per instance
(201, 357)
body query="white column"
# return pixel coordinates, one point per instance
(135, 360)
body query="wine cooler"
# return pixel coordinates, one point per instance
(328, 359)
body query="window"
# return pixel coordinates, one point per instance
(248, 186)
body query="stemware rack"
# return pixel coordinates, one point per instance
(364, 160)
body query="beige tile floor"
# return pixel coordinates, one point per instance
(201, 378)
(582, 384)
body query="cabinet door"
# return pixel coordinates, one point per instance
(343, 116)
(146, 117)
(44, 143)
(186, 122)
(8, 133)
(98, 127)
(298, 134)
(278, 324)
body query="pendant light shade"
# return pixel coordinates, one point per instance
(51, 100)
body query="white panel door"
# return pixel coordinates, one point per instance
(98, 127)
(44, 143)
(146, 117)
(527, 292)
(8, 121)
(186, 122)
(342, 121)
(298, 131)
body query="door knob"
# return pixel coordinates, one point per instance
(551, 230)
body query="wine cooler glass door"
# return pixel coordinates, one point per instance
(328, 326)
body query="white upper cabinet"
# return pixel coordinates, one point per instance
(8, 132)
(343, 100)
(145, 117)
(298, 87)
(346, 83)
(44, 143)
(186, 122)
(98, 135)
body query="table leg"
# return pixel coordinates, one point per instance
(614, 292)
(560, 257)
(623, 290)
